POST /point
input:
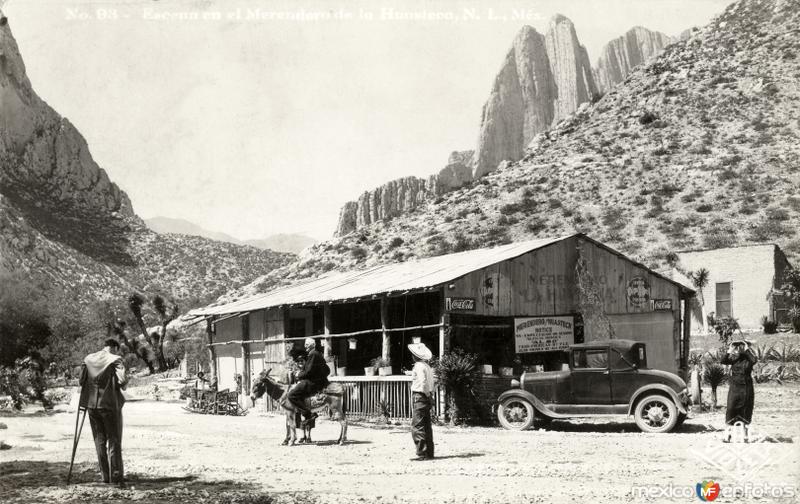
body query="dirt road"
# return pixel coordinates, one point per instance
(174, 456)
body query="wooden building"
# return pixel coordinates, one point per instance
(516, 306)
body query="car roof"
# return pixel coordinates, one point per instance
(615, 343)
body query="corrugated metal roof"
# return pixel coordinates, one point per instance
(395, 278)
(383, 279)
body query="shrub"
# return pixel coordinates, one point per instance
(510, 208)
(770, 326)
(458, 372)
(724, 327)
(358, 253)
(553, 203)
(714, 375)
(647, 118)
(705, 207)
(396, 242)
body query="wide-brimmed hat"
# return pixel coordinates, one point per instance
(421, 351)
(739, 340)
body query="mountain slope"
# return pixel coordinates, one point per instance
(698, 148)
(181, 226)
(543, 79)
(63, 221)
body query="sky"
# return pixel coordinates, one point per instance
(256, 117)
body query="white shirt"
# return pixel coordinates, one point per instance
(422, 378)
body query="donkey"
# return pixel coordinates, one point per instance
(331, 398)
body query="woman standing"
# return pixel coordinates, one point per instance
(741, 394)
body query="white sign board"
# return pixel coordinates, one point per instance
(543, 334)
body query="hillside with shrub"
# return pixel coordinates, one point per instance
(698, 148)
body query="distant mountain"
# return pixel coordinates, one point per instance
(292, 243)
(543, 79)
(699, 147)
(64, 223)
(181, 226)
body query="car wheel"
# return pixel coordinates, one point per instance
(656, 413)
(515, 413)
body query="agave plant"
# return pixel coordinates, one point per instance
(785, 353)
(458, 372)
(714, 375)
(762, 352)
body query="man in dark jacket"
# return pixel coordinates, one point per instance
(312, 379)
(102, 378)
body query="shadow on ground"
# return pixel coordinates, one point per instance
(621, 427)
(40, 481)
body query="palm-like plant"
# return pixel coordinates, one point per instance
(714, 375)
(458, 372)
(700, 279)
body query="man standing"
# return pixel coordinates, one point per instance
(312, 378)
(422, 396)
(102, 378)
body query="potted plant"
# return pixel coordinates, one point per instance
(370, 370)
(384, 365)
(341, 371)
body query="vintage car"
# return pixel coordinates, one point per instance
(604, 378)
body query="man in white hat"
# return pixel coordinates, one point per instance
(422, 396)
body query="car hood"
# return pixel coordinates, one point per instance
(545, 376)
(665, 377)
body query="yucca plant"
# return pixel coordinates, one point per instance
(714, 375)
(696, 362)
(458, 372)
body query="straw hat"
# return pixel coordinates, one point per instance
(420, 351)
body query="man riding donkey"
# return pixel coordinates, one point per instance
(312, 379)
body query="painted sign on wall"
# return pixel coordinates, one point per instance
(459, 304)
(543, 334)
(662, 304)
(638, 292)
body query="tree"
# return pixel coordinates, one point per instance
(167, 315)
(724, 327)
(24, 318)
(790, 289)
(700, 279)
(155, 341)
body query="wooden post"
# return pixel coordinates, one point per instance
(212, 359)
(245, 355)
(687, 331)
(385, 350)
(326, 320)
(444, 345)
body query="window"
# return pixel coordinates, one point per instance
(592, 358)
(724, 300)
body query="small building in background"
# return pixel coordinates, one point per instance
(741, 284)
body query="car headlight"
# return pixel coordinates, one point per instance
(515, 383)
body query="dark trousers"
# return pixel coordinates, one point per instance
(421, 430)
(299, 392)
(107, 433)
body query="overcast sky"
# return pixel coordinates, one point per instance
(252, 125)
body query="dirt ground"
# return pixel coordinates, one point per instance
(175, 456)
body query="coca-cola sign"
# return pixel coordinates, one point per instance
(459, 304)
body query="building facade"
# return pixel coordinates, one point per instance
(742, 281)
(517, 307)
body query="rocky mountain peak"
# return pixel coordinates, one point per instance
(620, 56)
(44, 157)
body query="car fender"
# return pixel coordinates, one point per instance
(539, 405)
(656, 387)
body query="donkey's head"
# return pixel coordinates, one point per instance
(260, 385)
